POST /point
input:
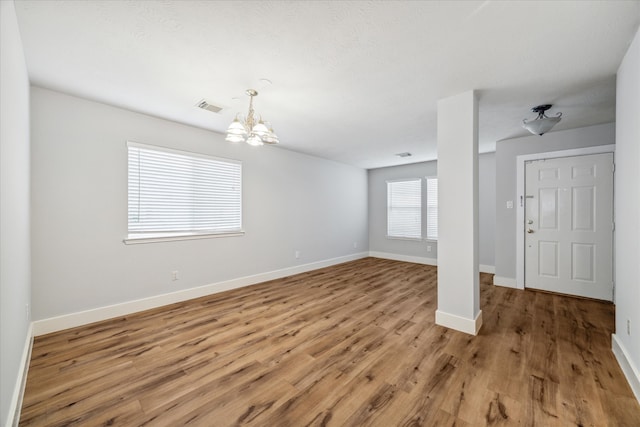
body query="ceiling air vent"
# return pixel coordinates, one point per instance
(405, 154)
(209, 107)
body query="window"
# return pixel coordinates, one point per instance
(175, 194)
(404, 209)
(432, 208)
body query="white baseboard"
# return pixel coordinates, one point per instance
(15, 406)
(507, 282)
(629, 369)
(72, 320)
(462, 324)
(405, 258)
(423, 260)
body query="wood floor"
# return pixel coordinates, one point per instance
(349, 345)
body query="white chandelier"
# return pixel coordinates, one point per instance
(541, 124)
(250, 130)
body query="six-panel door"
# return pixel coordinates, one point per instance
(569, 225)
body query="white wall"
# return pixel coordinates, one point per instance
(627, 214)
(378, 242)
(506, 152)
(79, 183)
(15, 287)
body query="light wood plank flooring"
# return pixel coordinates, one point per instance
(349, 345)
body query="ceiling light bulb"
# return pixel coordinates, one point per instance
(236, 128)
(234, 138)
(254, 140)
(270, 138)
(260, 129)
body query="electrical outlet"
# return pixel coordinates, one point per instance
(428, 248)
(355, 245)
(297, 254)
(628, 327)
(174, 275)
(28, 310)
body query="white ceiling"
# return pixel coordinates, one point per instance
(353, 81)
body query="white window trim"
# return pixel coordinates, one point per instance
(426, 220)
(171, 237)
(142, 238)
(413, 239)
(181, 152)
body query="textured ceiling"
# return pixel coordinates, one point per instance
(353, 81)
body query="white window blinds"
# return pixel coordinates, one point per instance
(177, 193)
(404, 209)
(432, 208)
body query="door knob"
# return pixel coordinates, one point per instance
(529, 230)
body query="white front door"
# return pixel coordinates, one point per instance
(569, 225)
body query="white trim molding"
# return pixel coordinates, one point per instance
(507, 282)
(172, 238)
(629, 370)
(13, 417)
(483, 268)
(72, 320)
(405, 258)
(462, 324)
(520, 181)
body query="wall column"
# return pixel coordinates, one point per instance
(458, 276)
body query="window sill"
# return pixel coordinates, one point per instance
(415, 239)
(134, 239)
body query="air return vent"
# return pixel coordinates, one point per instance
(209, 107)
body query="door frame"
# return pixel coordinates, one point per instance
(520, 181)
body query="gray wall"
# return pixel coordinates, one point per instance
(79, 182)
(506, 153)
(378, 241)
(15, 281)
(487, 206)
(627, 207)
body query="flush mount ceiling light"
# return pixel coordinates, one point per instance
(541, 124)
(248, 129)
